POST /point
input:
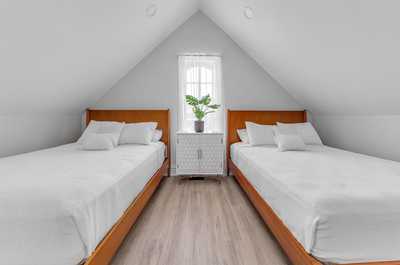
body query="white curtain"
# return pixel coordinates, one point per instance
(200, 75)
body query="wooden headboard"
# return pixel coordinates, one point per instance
(136, 115)
(236, 120)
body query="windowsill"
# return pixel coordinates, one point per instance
(205, 132)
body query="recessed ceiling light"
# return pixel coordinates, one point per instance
(151, 10)
(248, 12)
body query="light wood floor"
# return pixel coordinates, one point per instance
(195, 222)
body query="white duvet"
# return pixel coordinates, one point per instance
(342, 207)
(57, 204)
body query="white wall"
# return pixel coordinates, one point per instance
(24, 133)
(374, 135)
(153, 83)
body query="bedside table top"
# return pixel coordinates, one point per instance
(201, 133)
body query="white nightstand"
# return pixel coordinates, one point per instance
(200, 153)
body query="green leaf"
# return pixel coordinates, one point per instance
(191, 100)
(198, 112)
(214, 106)
(205, 100)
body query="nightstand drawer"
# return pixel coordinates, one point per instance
(211, 140)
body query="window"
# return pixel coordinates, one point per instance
(200, 75)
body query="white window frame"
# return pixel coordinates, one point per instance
(213, 121)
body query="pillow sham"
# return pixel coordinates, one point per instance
(157, 135)
(98, 141)
(259, 134)
(305, 130)
(243, 136)
(290, 142)
(138, 133)
(103, 127)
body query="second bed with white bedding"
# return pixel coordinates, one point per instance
(341, 206)
(58, 204)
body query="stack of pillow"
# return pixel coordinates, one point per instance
(106, 135)
(287, 136)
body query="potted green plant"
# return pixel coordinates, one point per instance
(201, 107)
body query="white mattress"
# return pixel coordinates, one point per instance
(342, 207)
(57, 204)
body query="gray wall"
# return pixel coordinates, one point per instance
(374, 135)
(20, 133)
(153, 83)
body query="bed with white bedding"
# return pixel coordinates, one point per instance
(342, 207)
(57, 204)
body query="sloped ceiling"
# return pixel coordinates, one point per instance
(62, 55)
(333, 56)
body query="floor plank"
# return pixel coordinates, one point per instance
(199, 222)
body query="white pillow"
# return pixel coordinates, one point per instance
(108, 127)
(259, 134)
(98, 141)
(137, 133)
(157, 135)
(290, 142)
(244, 137)
(305, 130)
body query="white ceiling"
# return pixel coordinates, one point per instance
(333, 56)
(62, 55)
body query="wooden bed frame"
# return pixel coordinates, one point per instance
(107, 248)
(294, 250)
